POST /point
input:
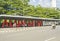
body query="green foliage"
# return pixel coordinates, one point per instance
(21, 7)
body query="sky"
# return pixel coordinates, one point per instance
(44, 3)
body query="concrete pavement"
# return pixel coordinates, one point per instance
(34, 34)
(18, 29)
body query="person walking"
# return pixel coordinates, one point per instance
(53, 25)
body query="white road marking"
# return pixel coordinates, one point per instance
(50, 39)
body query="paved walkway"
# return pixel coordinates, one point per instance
(18, 29)
(30, 34)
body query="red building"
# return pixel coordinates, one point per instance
(23, 21)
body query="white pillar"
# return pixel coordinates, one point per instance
(53, 3)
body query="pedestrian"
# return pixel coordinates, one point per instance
(14, 25)
(53, 25)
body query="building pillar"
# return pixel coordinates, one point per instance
(15, 23)
(30, 23)
(5, 23)
(19, 23)
(33, 23)
(39, 23)
(23, 23)
(10, 23)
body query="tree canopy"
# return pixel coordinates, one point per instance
(21, 7)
